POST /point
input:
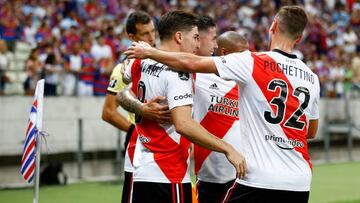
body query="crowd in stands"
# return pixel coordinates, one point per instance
(76, 43)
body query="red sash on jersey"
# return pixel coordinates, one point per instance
(263, 78)
(216, 124)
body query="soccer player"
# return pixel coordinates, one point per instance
(139, 27)
(207, 36)
(216, 109)
(279, 103)
(162, 154)
(230, 42)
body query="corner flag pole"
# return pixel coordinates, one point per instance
(40, 94)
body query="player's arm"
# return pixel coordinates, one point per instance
(193, 131)
(314, 114)
(111, 115)
(152, 109)
(312, 130)
(125, 71)
(178, 61)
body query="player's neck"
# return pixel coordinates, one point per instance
(283, 43)
(169, 46)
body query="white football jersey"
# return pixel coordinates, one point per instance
(279, 95)
(161, 154)
(129, 153)
(216, 109)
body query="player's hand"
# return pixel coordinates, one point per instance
(154, 110)
(138, 50)
(238, 160)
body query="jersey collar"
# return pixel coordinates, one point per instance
(285, 54)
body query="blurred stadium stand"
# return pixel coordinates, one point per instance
(16, 72)
(330, 44)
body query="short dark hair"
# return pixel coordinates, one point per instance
(174, 21)
(134, 18)
(292, 21)
(205, 22)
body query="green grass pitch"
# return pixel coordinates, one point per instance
(332, 183)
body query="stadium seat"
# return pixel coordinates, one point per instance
(14, 88)
(19, 66)
(12, 64)
(21, 77)
(21, 56)
(22, 47)
(11, 75)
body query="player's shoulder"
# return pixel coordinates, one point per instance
(239, 54)
(174, 76)
(116, 72)
(118, 67)
(234, 58)
(306, 68)
(151, 62)
(157, 65)
(131, 62)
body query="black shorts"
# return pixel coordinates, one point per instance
(128, 136)
(212, 192)
(127, 188)
(246, 194)
(161, 192)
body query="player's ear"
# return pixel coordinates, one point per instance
(223, 51)
(273, 26)
(132, 37)
(298, 40)
(178, 37)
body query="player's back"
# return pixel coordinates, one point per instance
(163, 153)
(279, 95)
(282, 92)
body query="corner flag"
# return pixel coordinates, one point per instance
(30, 162)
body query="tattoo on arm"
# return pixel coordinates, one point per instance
(128, 101)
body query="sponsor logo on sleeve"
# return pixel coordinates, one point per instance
(112, 83)
(185, 96)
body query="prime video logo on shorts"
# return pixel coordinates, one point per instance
(283, 143)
